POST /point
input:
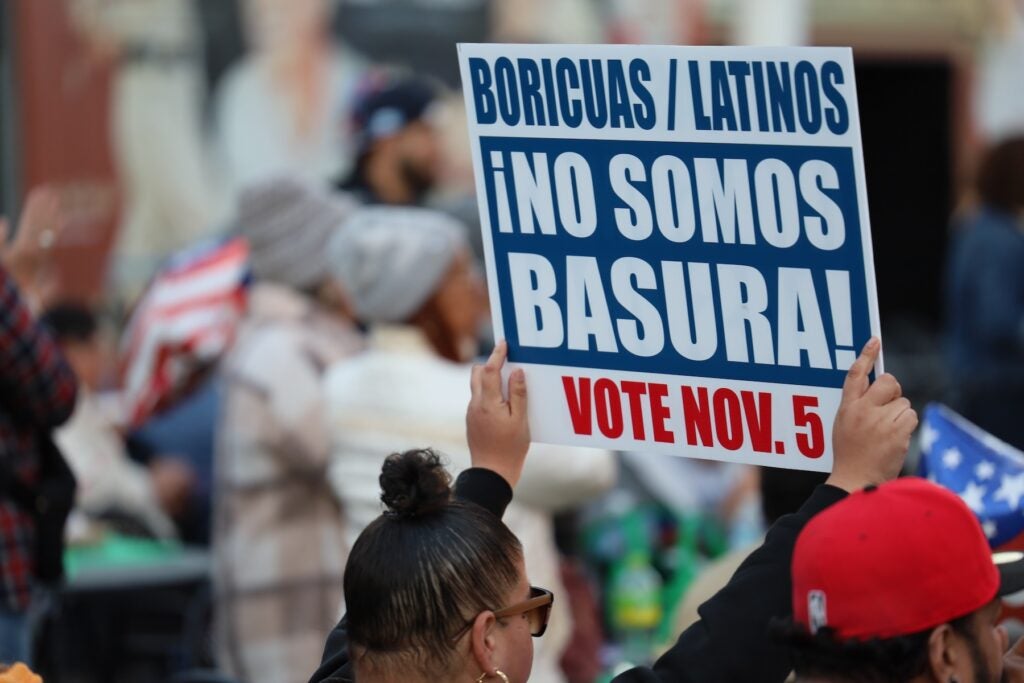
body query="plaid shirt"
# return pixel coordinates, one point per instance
(37, 393)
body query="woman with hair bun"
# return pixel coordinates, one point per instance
(411, 281)
(432, 571)
(436, 586)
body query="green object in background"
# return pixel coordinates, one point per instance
(116, 551)
(634, 593)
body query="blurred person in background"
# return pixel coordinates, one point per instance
(170, 390)
(37, 395)
(283, 108)
(187, 429)
(111, 486)
(410, 275)
(409, 136)
(278, 540)
(397, 145)
(985, 298)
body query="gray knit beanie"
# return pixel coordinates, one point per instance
(288, 225)
(390, 259)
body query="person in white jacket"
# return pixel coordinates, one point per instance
(411, 279)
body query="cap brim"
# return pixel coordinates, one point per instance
(1011, 572)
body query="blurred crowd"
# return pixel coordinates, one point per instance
(301, 293)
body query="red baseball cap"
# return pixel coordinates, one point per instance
(896, 559)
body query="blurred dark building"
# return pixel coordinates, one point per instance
(419, 34)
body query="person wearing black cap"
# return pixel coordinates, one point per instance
(397, 145)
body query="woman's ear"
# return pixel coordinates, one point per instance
(483, 643)
(942, 653)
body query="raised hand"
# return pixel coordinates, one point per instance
(873, 426)
(497, 428)
(28, 256)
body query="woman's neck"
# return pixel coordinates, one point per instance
(363, 676)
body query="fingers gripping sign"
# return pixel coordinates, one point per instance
(497, 427)
(857, 382)
(873, 426)
(885, 390)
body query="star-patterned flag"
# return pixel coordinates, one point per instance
(985, 472)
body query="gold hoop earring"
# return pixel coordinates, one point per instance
(497, 674)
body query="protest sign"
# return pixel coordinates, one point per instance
(677, 242)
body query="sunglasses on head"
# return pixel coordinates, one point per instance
(537, 609)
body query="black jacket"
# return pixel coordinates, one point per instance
(730, 643)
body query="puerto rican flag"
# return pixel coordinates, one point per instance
(184, 321)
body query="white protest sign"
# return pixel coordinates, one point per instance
(677, 242)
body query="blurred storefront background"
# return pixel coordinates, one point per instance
(148, 117)
(154, 112)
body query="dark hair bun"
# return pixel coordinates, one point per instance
(414, 483)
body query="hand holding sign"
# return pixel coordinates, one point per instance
(872, 427)
(497, 429)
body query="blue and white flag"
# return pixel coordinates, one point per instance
(985, 472)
